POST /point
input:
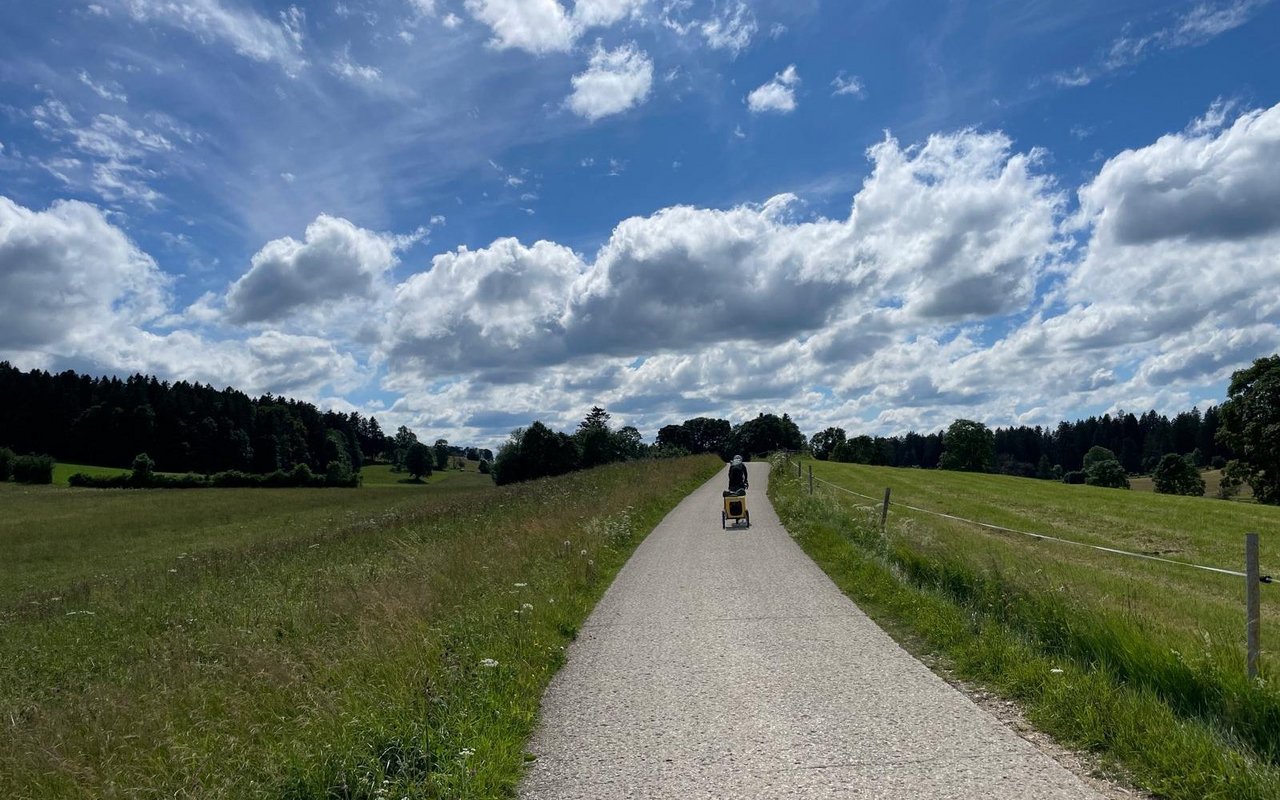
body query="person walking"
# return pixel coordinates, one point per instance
(737, 476)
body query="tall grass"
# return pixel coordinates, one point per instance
(400, 654)
(1170, 709)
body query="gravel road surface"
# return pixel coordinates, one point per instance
(725, 664)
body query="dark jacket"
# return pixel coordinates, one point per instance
(737, 477)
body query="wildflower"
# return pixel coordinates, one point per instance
(466, 752)
(583, 553)
(488, 663)
(526, 606)
(1056, 671)
(521, 585)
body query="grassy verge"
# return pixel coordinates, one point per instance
(1097, 675)
(403, 656)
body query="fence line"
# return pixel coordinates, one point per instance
(1233, 573)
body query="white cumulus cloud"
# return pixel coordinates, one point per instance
(614, 81)
(776, 96)
(336, 260)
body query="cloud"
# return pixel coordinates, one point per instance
(591, 13)
(249, 34)
(1182, 234)
(544, 26)
(958, 228)
(614, 81)
(1202, 186)
(1204, 22)
(536, 26)
(69, 278)
(776, 96)
(851, 85)
(335, 261)
(116, 158)
(344, 67)
(107, 91)
(731, 29)
(476, 308)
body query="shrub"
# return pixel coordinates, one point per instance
(144, 470)
(85, 481)
(33, 469)
(484, 467)
(1076, 476)
(1107, 474)
(1218, 462)
(234, 479)
(6, 462)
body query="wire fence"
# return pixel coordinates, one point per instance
(1251, 574)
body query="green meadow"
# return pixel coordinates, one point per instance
(1139, 661)
(377, 642)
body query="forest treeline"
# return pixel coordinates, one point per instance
(188, 427)
(1138, 442)
(538, 451)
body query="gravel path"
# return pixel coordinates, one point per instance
(725, 664)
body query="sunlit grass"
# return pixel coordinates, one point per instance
(1151, 655)
(369, 650)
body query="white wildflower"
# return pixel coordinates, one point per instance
(488, 663)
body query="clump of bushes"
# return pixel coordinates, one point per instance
(144, 476)
(6, 462)
(31, 469)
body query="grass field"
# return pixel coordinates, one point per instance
(1142, 644)
(365, 643)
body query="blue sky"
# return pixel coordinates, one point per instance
(466, 214)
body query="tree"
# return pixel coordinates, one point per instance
(1108, 474)
(337, 469)
(595, 439)
(417, 461)
(1250, 425)
(968, 446)
(534, 452)
(441, 451)
(401, 443)
(766, 433)
(1177, 474)
(1097, 455)
(823, 443)
(628, 443)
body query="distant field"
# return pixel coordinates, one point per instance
(1212, 480)
(378, 642)
(1008, 607)
(381, 475)
(61, 472)
(52, 536)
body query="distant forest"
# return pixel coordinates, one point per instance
(184, 427)
(1138, 442)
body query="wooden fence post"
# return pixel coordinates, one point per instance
(1253, 581)
(884, 510)
(810, 479)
